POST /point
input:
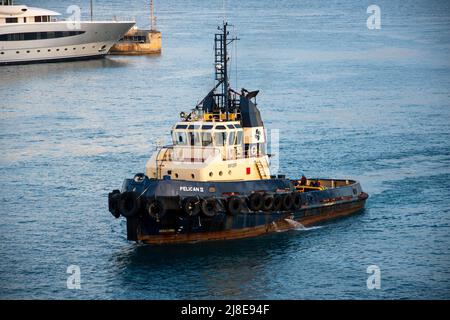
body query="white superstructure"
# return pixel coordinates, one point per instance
(30, 34)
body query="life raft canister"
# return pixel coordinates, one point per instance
(209, 207)
(191, 206)
(255, 201)
(234, 205)
(129, 204)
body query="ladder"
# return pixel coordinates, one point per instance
(160, 159)
(261, 170)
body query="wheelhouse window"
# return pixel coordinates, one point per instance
(220, 138)
(232, 138)
(179, 138)
(194, 138)
(11, 20)
(239, 136)
(207, 139)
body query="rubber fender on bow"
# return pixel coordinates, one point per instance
(129, 204)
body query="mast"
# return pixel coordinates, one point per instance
(91, 9)
(226, 85)
(152, 16)
(221, 42)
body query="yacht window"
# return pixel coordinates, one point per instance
(239, 138)
(181, 126)
(206, 139)
(194, 138)
(207, 127)
(179, 138)
(230, 126)
(220, 127)
(231, 138)
(221, 138)
(195, 127)
(38, 19)
(11, 20)
(38, 35)
(238, 126)
(24, 20)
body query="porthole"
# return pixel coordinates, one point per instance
(57, 49)
(220, 173)
(210, 174)
(28, 51)
(38, 50)
(192, 176)
(17, 51)
(176, 175)
(74, 48)
(83, 48)
(49, 50)
(65, 49)
(3, 53)
(229, 173)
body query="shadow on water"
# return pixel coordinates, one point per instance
(200, 270)
(218, 252)
(219, 269)
(39, 70)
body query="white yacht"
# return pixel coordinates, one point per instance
(29, 35)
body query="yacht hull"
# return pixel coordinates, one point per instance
(94, 39)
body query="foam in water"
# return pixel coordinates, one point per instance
(298, 226)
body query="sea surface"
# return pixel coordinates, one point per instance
(345, 101)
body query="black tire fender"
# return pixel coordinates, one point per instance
(267, 202)
(234, 205)
(191, 206)
(255, 201)
(296, 200)
(287, 201)
(113, 203)
(156, 209)
(129, 204)
(277, 202)
(209, 207)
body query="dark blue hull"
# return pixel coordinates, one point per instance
(174, 224)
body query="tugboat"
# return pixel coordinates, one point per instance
(214, 181)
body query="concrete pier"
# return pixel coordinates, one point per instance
(138, 42)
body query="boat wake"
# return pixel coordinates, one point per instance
(298, 226)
